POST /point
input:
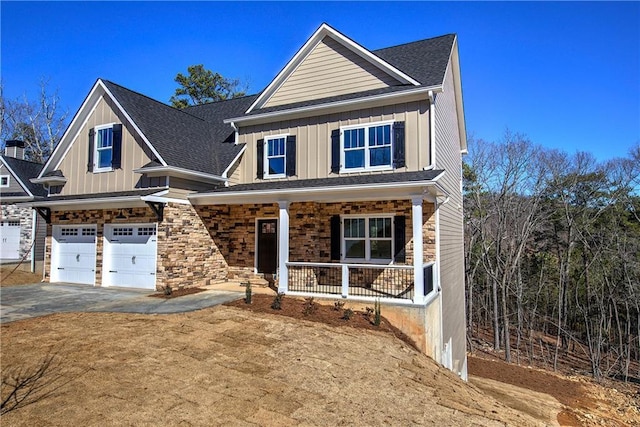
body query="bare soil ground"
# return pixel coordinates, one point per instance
(229, 366)
(252, 365)
(10, 276)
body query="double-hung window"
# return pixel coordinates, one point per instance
(104, 148)
(367, 147)
(368, 239)
(274, 161)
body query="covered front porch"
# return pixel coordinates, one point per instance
(375, 241)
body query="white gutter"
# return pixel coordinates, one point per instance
(49, 180)
(345, 103)
(179, 172)
(274, 193)
(15, 199)
(159, 199)
(225, 173)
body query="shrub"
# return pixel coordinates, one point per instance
(347, 314)
(167, 290)
(338, 305)
(376, 315)
(247, 293)
(368, 314)
(310, 306)
(277, 302)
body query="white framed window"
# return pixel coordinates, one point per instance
(366, 147)
(4, 180)
(367, 238)
(103, 148)
(275, 159)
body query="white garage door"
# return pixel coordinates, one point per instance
(73, 254)
(130, 255)
(10, 238)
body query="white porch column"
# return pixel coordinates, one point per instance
(418, 250)
(283, 247)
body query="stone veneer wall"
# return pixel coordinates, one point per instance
(233, 229)
(25, 216)
(186, 253)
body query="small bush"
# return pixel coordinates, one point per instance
(338, 305)
(347, 314)
(368, 314)
(277, 302)
(167, 290)
(247, 293)
(376, 315)
(310, 306)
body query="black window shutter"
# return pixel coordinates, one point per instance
(335, 237)
(335, 151)
(260, 158)
(291, 155)
(398, 145)
(90, 156)
(117, 147)
(399, 225)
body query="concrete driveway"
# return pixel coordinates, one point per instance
(27, 301)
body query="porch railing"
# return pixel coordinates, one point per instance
(360, 280)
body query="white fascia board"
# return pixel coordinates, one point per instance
(454, 60)
(180, 173)
(307, 48)
(234, 161)
(377, 191)
(161, 199)
(346, 103)
(16, 177)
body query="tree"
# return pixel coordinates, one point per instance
(40, 123)
(202, 86)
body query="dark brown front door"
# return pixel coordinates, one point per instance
(267, 245)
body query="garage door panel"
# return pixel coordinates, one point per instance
(10, 239)
(130, 253)
(73, 254)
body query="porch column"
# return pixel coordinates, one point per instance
(418, 250)
(283, 247)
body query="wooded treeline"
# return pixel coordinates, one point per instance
(552, 248)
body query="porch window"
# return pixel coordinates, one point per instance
(368, 239)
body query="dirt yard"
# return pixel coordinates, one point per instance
(232, 366)
(12, 276)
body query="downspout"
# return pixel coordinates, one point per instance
(236, 137)
(432, 136)
(34, 217)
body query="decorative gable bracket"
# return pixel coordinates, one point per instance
(45, 213)
(158, 209)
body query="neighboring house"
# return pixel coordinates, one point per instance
(22, 231)
(341, 179)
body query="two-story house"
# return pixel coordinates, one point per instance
(341, 179)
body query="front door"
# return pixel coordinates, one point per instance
(267, 245)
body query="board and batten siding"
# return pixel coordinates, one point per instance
(313, 139)
(330, 69)
(135, 154)
(14, 186)
(449, 158)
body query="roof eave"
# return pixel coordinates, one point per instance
(179, 173)
(337, 104)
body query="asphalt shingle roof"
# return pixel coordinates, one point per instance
(184, 140)
(25, 170)
(339, 181)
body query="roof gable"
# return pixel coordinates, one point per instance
(330, 69)
(357, 51)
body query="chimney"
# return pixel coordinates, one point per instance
(14, 148)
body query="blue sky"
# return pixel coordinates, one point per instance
(567, 74)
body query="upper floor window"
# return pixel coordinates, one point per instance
(276, 156)
(4, 180)
(374, 146)
(105, 147)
